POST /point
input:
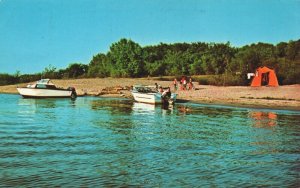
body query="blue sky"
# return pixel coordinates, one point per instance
(37, 33)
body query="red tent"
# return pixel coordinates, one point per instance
(264, 76)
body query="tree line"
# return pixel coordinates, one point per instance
(225, 64)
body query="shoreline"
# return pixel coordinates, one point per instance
(244, 105)
(182, 101)
(279, 98)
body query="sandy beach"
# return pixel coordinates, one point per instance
(282, 97)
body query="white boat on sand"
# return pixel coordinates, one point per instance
(149, 94)
(44, 88)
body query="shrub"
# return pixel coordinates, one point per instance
(7, 79)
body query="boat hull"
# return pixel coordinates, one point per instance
(150, 98)
(44, 93)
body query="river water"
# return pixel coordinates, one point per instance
(109, 142)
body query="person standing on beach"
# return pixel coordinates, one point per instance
(156, 86)
(191, 85)
(175, 84)
(184, 83)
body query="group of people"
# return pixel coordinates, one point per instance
(183, 84)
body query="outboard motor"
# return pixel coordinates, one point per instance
(73, 94)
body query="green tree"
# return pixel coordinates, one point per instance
(126, 59)
(99, 66)
(158, 68)
(178, 63)
(220, 56)
(196, 66)
(75, 70)
(49, 72)
(293, 50)
(281, 49)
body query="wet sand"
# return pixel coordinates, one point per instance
(282, 97)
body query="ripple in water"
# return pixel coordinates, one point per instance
(115, 142)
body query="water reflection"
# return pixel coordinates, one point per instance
(143, 108)
(43, 103)
(28, 107)
(114, 114)
(263, 119)
(122, 106)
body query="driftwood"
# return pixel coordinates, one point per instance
(114, 90)
(122, 91)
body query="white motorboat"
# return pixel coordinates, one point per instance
(149, 94)
(44, 88)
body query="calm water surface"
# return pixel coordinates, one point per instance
(109, 142)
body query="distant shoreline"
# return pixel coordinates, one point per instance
(282, 98)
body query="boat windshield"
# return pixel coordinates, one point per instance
(43, 81)
(43, 86)
(145, 89)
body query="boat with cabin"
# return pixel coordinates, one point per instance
(44, 88)
(151, 95)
